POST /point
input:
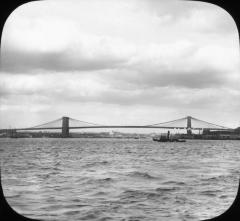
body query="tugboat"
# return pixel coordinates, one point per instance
(167, 138)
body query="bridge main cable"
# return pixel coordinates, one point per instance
(222, 127)
(89, 123)
(43, 126)
(151, 125)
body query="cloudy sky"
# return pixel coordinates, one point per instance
(119, 62)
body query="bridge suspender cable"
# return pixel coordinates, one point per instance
(184, 118)
(67, 123)
(85, 122)
(48, 123)
(210, 123)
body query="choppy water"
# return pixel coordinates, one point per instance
(119, 179)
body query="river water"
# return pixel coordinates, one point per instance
(119, 179)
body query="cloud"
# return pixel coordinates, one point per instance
(98, 88)
(193, 16)
(116, 58)
(118, 40)
(97, 99)
(86, 52)
(15, 62)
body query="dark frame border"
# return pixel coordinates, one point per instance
(8, 6)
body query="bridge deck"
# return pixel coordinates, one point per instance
(118, 126)
(65, 123)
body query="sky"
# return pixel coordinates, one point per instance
(128, 62)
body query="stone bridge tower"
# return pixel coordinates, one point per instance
(189, 125)
(65, 127)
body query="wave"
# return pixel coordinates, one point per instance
(93, 164)
(91, 215)
(15, 196)
(135, 195)
(167, 189)
(211, 193)
(217, 178)
(100, 193)
(178, 183)
(99, 181)
(138, 174)
(72, 212)
(108, 179)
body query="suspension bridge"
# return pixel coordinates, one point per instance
(66, 123)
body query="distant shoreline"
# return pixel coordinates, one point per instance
(125, 138)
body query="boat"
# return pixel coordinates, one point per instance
(162, 139)
(167, 138)
(181, 140)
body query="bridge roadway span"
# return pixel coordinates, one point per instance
(65, 125)
(114, 126)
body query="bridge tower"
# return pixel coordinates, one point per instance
(189, 125)
(12, 133)
(65, 127)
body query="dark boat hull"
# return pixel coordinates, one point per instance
(168, 140)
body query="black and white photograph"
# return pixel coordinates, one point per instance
(122, 110)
